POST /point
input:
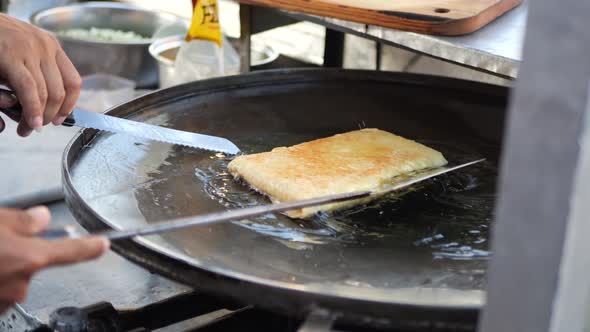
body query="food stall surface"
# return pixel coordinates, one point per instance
(495, 49)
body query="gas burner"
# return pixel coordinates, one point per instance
(187, 312)
(196, 312)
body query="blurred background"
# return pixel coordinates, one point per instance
(300, 44)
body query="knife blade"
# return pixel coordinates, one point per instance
(244, 213)
(87, 119)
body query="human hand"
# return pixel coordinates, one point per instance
(22, 254)
(44, 80)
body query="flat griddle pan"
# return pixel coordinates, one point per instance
(420, 255)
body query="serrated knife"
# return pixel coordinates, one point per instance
(87, 119)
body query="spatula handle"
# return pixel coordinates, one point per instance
(67, 232)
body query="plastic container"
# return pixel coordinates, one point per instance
(165, 50)
(100, 92)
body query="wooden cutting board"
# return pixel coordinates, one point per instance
(442, 17)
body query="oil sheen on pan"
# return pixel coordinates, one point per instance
(448, 215)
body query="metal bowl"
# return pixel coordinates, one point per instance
(164, 50)
(130, 60)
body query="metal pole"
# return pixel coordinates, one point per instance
(245, 37)
(539, 200)
(334, 48)
(378, 55)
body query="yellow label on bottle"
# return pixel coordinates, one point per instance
(205, 22)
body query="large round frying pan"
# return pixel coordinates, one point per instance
(421, 254)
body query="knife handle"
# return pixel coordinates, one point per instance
(16, 111)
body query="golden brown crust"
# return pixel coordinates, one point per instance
(358, 160)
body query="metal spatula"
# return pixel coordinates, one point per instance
(240, 214)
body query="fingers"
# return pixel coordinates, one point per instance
(8, 100)
(42, 253)
(56, 93)
(26, 223)
(44, 80)
(29, 255)
(73, 251)
(26, 90)
(34, 67)
(40, 216)
(72, 84)
(22, 254)
(32, 114)
(23, 129)
(5, 305)
(35, 254)
(14, 290)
